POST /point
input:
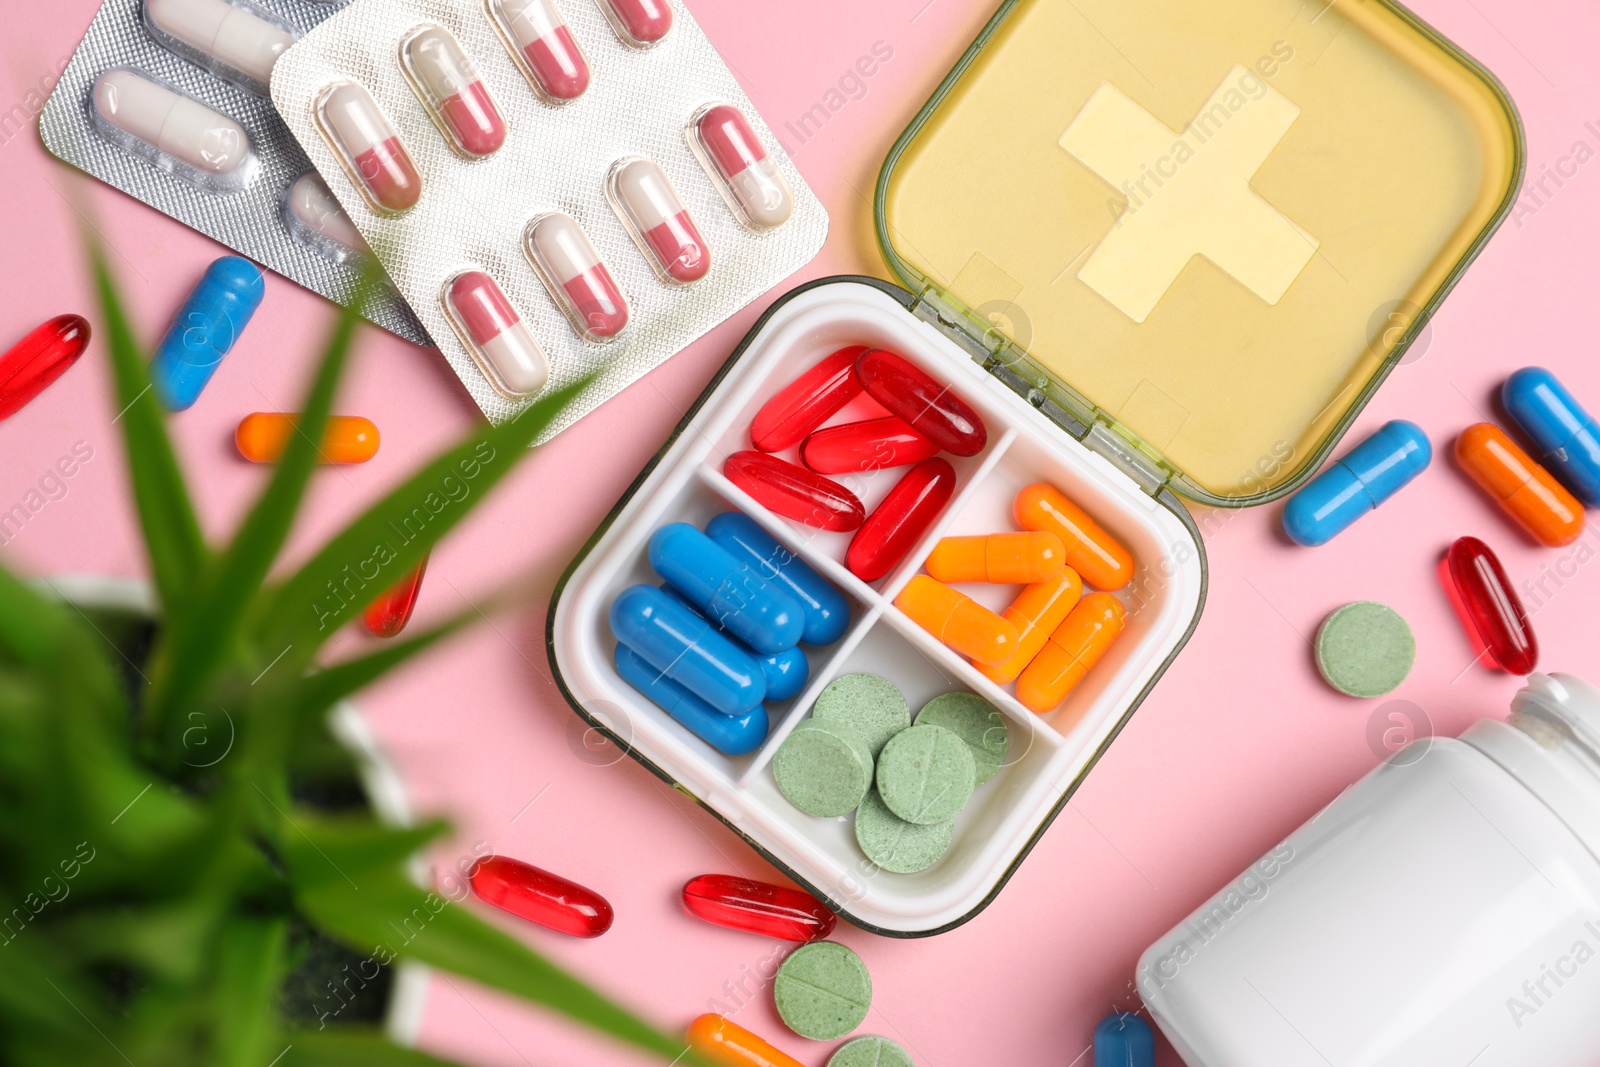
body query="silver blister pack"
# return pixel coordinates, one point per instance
(556, 158)
(249, 209)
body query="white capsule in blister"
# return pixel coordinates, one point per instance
(577, 278)
(495, 335)
(650, 207)
(173, 125)
(543, 47)
(316, 219)
(234, 35)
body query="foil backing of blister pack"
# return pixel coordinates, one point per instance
(472, 214)
(250, 221)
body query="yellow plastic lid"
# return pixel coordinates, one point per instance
(1214, 226)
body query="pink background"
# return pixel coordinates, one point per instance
(1239, 744)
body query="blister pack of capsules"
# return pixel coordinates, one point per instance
(167, 100)
(556, 190)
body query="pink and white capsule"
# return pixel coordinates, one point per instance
(170, 122)
(234, 36)
(495, 334)
(314, 210)
(576, 276)
(373, 152)
(748, 172)
(661, 225)
(640, 23)
(448, 85)
(544, 47)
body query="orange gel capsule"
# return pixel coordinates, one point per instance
(263, 436)
(723, 1041)
(1099, 558)
(1528, 492)
(1003, 558)
(1074, 648)
(1036, 613)
(957, 620)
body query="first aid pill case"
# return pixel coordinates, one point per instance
(1115, 348)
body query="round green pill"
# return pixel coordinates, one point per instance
(868, 704)
(823, 768)
(1365, 649)
(870, 1052)
(977, 722)
(926, 774)
(822, 991)
(896, 845)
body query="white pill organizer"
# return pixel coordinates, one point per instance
(1053, 213)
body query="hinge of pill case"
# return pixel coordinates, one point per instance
(1004, 359)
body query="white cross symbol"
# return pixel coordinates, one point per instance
(1189, 193)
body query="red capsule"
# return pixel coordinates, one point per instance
(388, 615)
(757, 908)
(931, 407)
(541, 897)
(807, 402)
(1490, 605)
(39, 359)
(876, 444)
(794, 492)
(901, 520)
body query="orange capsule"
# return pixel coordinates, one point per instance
(722, 1041)
(959, 621)
(1074, 648)
(1528, 492)
(1099, 558)
(263, 435)
(1036, 613)
(1003, 558)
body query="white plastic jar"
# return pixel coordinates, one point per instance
(1443, 912)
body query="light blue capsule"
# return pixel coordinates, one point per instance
(826, 609)
(731, 735)
(1124, 1040)
(1367, 475)
(1563, 434)
(726, 591)
(687, 649)
(206, 329)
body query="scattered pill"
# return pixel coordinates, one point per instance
(205, 330)
(661, 226)
(758, 908)
(896, 845)
(369, 147)
(807, 402)
(452, 93)
(876, 444)
(388, 615)
(870, 1052)
(1124, 1040)
(1492, 605)
(958, 621)
(1036, 613)
(926, 774)
(579, 283)
(543, 47)
(43, 355)
(930, 407)
(1071, 652)
(1365, 649)
(1100, 559)
(495, 335)
(231, 34)
(977, 722)
(313, 211)
(1367, 476)
(747, 170)
(724, 590)
(827, 610)
(794, 492)
(1003, 558)
(731, 735)
(540, 897)
(1526, 491)
(640, 23)
(900, 519)
(1564, 435)
(786, 672)
(687, 650)
(822, 991)
(727, 1044)
(262, 437)
(869, 705)
(172, 124)
(823, 768)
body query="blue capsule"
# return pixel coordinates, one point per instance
(726, 591)
(786, 672)
(1124, 1040)
(205, 330)
(731, 735)
(827, 610)
(1369, 474)
(687, 649)
(1565, 435)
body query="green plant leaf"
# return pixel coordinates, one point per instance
(31, 627)
(352, 1047)
(252, 962)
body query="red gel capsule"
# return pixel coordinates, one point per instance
(39, 359)
(931, 407)
(901, 520)
(876, 444)
(1491, 605)
(541, 897)
(388, 615)
(807, 402)
(758, 908)
(790, 490)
